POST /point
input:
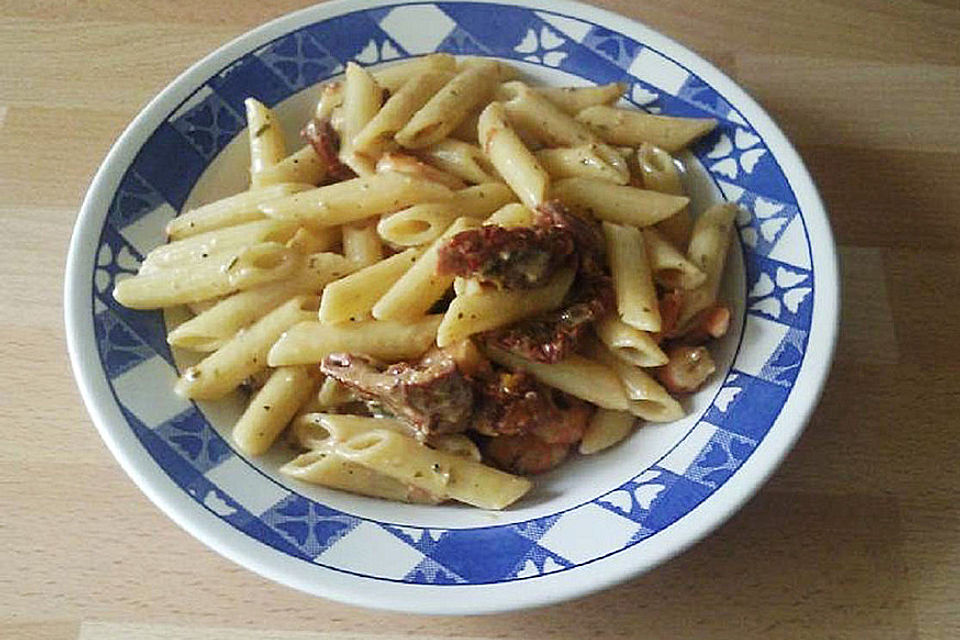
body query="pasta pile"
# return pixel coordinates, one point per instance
(488, 276)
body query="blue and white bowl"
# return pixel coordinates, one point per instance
(588, 525)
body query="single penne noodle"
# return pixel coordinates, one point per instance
(393, 78)
(328, 468)
(302, 166)
(629, 127)
(511, 215)
(449, 106)
(319, 429)
(709, 245)
(309, 240)
(355, 199)
(352, 297)
(421, 286)
(580, 377)
(512, 159)
(424, 223)
(397, 111)
(632, 279)
(606, 428)
(411, 165)
(203, 246)
(660, 173)
(361, 244)
(309, 342)
(504, 70)
(331, 97)
(492, 308)
(362, 97)
(272, 408)
(214, 327)
(595, 160)
(529, 111)
(670, 267)
(647, 398)
(267, 146)
(245, 354)
(629, 344)
(436, 472)
(243, 207)
(219, 275)
(616, 203)
(573, 100)
(462, 159)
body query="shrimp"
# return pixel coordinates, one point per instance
(526, 454)
(688, 368)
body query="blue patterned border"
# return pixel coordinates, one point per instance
(774, 241)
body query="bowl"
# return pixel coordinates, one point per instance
(588, 525)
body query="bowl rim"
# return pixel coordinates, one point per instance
(466, 599)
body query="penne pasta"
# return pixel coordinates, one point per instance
(632, 128)
(491, 308)
(329, 468)
(464, 160)
(512, 159)
(407, 100)
(214, 327)
(466, 131)
(647, 398)
(362, 97)
(413, 166)
(661, 174)
(243, 207)
(616, 203)
(203, 246)
(361, 244)
(351, 298)
(424, 223)
(332, 394)
(421, 286)
(632, 280)
(331, 98)
(355, 199)
(245, 354)
(595, 160)
(709, 245)
(393, 78)
(670, 267)
(309, 240)
(309, 342)
(580, 377)
(606, 429)
(319, 429)
(573, 100)
(511, 215)
(272, 408)
(220, 275)
(303, 166)
(435, 472)
(629, 344)
(532, 113)
(267, 146)
(449, 106)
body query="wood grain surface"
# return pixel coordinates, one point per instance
(856, 536)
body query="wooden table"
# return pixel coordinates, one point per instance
(856, 536)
